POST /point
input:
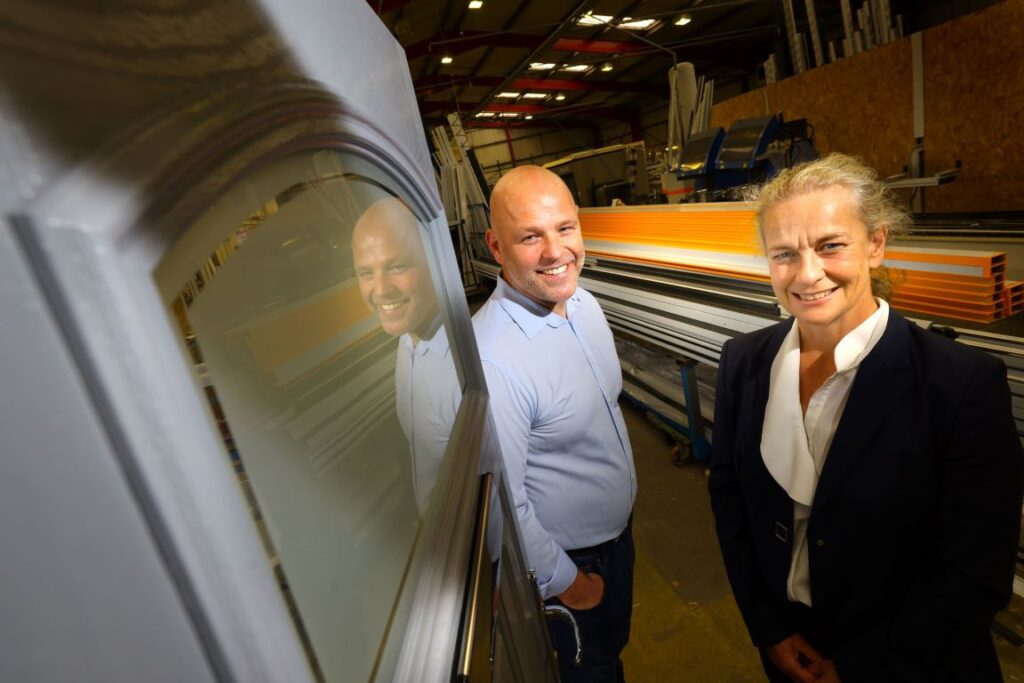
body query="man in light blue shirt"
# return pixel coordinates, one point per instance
(427, 397)
(554, 381)
(394, 282)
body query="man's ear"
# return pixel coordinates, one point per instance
(494, 246)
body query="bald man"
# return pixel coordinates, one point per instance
(394, 282)
(554, 381)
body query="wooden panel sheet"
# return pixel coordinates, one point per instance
(974, 106)
(860, 105)
(974, 103)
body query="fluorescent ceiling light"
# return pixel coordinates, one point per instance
(476, 4)
(574, 67)
(535, 95)
(636, 24)
(446, 60)
(607, 66)
(485, 114)
(559, 97)
(528, 117)
(591, 19)
(508, 94)
(541, 66)
(510, 114)
(683, 20)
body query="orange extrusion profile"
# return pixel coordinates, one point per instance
(722, 239)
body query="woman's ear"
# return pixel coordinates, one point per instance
(876, 246)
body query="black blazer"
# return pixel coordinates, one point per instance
(914, 527)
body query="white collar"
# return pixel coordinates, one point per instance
(784, 446)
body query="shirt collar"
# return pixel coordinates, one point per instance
(436, 344)
(857, 344)
(529, 315)
(784, 447)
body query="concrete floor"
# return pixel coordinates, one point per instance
(686, 626)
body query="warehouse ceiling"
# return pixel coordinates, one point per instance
(583, 62)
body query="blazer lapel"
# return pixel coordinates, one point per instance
(755, 391)
(773, 501)
(881, 382)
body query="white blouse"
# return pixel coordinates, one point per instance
(794, 445)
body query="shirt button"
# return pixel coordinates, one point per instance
(820, 543)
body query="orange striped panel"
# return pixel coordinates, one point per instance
(949, 294)
(730, 227)
(989, 262)
(944, 280)
(724, 271)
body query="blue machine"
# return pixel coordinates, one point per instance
(716, 161)
(742, 159)
(699, 158)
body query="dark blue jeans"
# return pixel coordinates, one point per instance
(604, 630)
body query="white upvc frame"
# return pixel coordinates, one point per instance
(94, 241)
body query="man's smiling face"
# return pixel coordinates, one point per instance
(391, 267)
(537, 239)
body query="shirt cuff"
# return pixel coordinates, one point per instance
(561, 578)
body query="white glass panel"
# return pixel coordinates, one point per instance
(310, 309)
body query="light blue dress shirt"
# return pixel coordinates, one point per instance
(427, 397)
(554, 384)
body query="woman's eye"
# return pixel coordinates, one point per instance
(832, 247)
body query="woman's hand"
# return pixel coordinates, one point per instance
(795, 657)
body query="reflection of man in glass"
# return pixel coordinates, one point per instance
(394, 281)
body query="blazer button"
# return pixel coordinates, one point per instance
(820, 543)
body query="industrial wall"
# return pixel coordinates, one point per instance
(499, 149)
(974, 99)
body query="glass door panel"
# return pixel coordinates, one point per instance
(307, 304)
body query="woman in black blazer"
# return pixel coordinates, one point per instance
(866, 475)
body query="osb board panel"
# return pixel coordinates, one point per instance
(861, 105)
(974, 106)
(974, 100)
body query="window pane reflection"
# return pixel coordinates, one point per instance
(319, 341)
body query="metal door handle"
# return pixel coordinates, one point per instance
(479, 593)
(563, 614)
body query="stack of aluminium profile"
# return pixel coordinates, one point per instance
(950, 283)
(685, 277)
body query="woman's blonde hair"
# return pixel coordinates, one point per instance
(876, 206)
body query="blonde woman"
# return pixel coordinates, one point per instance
(866, 473)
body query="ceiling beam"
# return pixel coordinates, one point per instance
(565, 25)
(471, 40)
(439, 83)
(480, 123)
(382, 7)
(443, 105)
(604, 47)
(579, 84)
(506, 26)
